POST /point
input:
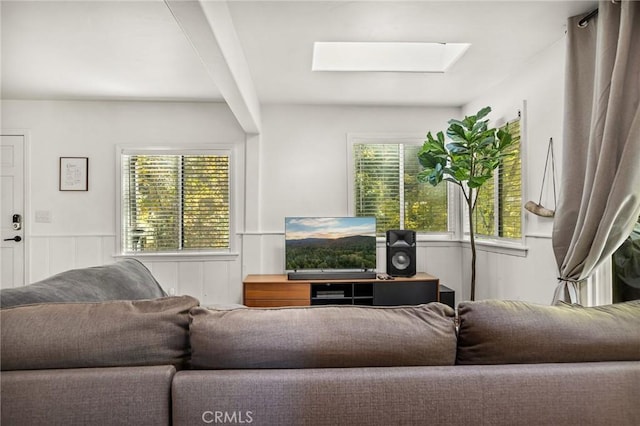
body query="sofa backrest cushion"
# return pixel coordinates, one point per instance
(322, 336)
(99, 334)
(127, 279)
(511, 332)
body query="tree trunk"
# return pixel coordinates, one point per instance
(472, 240)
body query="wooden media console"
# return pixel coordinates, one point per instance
(278, 290)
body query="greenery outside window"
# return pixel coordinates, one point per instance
(175, 201)
(384, 185)
(498, 211)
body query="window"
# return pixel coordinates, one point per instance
(174, 201)
(498, 210)
(385, 186)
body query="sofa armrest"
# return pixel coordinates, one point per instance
(127, 279)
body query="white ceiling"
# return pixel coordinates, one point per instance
(98, 50)
(135, 50)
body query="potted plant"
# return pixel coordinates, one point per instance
(467, 160)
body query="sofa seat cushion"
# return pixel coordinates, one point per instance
(124, 280)
(102, 334)
(88, 396)
(508, 332)
(584, 394)
(322, 336)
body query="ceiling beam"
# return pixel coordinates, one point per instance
(210, 30)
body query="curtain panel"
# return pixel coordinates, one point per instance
(599, 199)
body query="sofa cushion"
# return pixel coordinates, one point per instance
(102, 334)
(508, 332)
(115, 396)
(323, 336)
(124, 280)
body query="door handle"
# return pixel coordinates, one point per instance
(17, 239)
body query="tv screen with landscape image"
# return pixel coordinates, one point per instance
(330, 243)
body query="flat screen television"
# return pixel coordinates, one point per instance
(330, 247)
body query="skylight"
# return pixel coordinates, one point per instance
(386, 56)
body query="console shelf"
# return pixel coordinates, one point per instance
(278, 290)
(341, 293)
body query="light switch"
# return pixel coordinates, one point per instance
(43, 216)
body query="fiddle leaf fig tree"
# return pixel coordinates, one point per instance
(467, 160)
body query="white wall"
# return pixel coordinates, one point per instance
(541, 83)
(304, 153)
(300, 161)
(82, 228)
(303, 172)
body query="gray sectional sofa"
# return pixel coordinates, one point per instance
(152, 360)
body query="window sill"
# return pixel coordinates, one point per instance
(444, 237)
(482, 244)
(182, 257)
(499, 247)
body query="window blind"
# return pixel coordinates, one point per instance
(498, 210)
(386, 187)
(510, 188)
(175, 202)
(426, 207)
(377, 184)
(485, 212)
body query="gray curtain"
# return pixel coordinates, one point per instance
(599, 199)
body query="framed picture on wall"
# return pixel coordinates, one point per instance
(74, 173)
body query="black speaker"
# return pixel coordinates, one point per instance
(401, 253)
(447, 296)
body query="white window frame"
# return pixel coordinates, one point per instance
(458, 224)
(403, 139)
(214, 149)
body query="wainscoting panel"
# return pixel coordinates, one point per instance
(51, 255)
(63, 254)
(263, 253)
(219, 280)
(89, 251)
(38, 260)
(223, 282)
(442, 260)
(211, 282)
(215, 281)
(191, 278)
(508, 277)
(167, 275)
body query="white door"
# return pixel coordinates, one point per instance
(12, 211)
